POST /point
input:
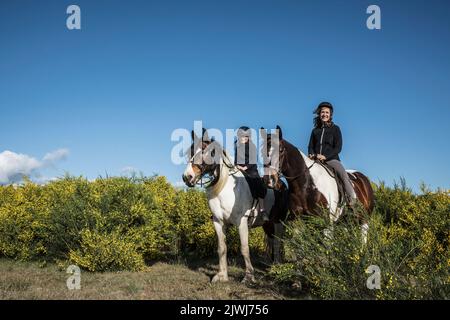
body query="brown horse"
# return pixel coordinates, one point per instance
(312, 186)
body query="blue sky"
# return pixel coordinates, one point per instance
(111, 94)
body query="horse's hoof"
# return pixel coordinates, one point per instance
(297, 286)
(219, 278)
(249, 278)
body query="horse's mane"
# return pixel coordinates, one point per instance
(308, 161)
(224, 169)
(301, 161)
(227, 156)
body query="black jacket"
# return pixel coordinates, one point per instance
(244, 159)
(326, 141)
(256, 184)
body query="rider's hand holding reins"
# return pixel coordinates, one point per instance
(321, 157)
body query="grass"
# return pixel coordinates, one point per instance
(162, 280)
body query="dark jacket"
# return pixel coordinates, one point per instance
(326, 141)
(244, 159)
(256, 184)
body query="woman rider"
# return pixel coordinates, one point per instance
(325, 145)
(245, 160)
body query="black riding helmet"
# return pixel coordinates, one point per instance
(244, 131)
(322, 105)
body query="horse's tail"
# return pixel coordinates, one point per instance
(364, 191)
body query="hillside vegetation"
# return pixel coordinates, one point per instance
(126, 224)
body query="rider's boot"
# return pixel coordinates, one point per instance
(351, 202)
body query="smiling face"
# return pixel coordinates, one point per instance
(243, 139)
(325, 114)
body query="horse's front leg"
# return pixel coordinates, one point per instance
(243, 235)
(278, 234)
(222, 275)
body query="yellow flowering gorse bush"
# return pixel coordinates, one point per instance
(409, 237)
(108, 224)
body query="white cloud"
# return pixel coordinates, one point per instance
(13, 166)
(57, 155)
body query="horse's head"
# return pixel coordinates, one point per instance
(204, 159)
(273, 155)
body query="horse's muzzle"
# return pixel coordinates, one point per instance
(188, 180)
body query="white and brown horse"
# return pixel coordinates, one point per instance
(311, 186)
(230, 200)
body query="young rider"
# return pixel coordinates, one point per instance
(245, 160)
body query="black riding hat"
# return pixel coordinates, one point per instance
(322, 105)
(244, 131)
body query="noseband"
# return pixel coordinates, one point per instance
(214, 178)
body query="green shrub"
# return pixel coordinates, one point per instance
(121, 223)
(71, 209)
(23, 213)
(193, 219)
(408, 240)
(59, 221)
(106, 252)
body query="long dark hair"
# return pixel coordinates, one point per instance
(317, 121)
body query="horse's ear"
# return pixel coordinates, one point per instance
(193, 135)
(280, 133)
(205, 135)
(261, 132)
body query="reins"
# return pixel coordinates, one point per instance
(292, 177)
(309, 167)
(212, 181)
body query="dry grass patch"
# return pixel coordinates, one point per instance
(27, 280)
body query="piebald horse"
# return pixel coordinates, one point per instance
(231, 202)
(311, 186)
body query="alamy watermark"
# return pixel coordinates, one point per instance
(374, 20)
(189, 146)
(374, 280)
(74, 281)
(73, 22)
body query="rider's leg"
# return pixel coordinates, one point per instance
(262, 192)
(262, 210)
(337, 165)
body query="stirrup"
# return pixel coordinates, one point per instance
(265, 215)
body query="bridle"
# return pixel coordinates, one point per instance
(217, 167)
(281, 174)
